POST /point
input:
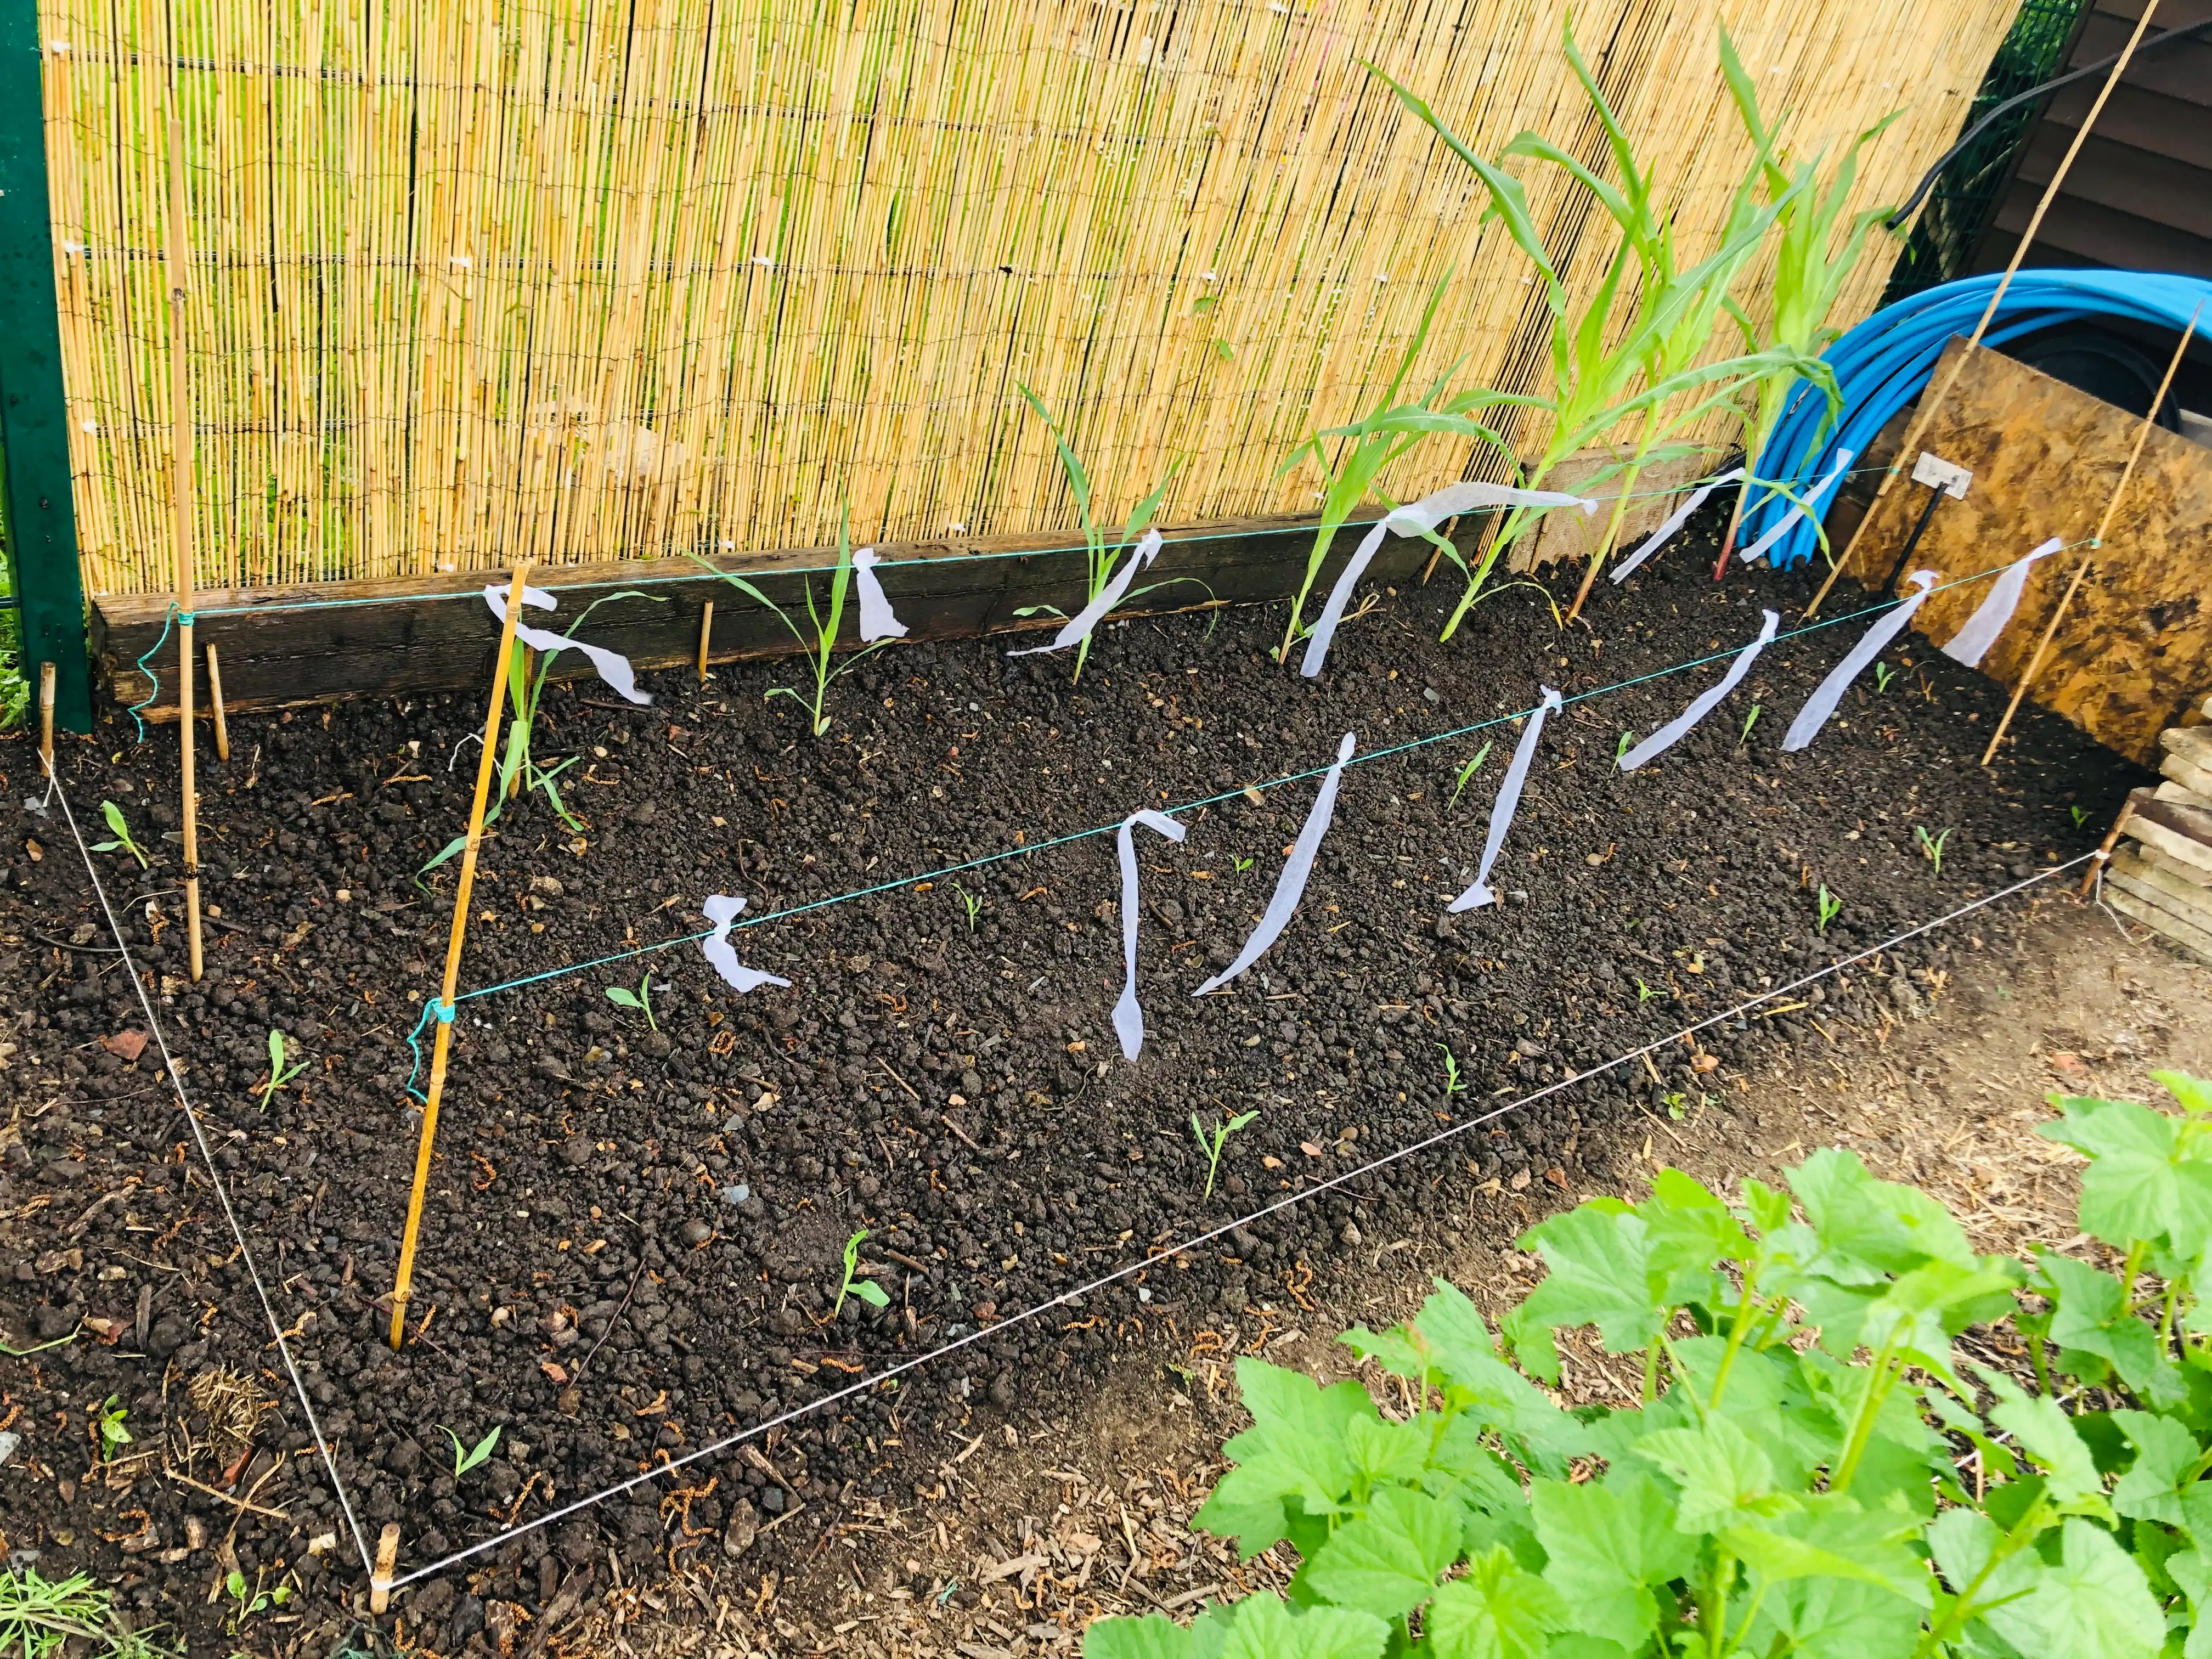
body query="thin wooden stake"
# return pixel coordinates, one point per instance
(46, 717)
(705, 633)
(387, 1557)
(2104, 853)
(215, 704)
(180, 521)
(2097, 541)
(403, 1287)
(1930, 400)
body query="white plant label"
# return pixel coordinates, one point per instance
(1077, 629)
(877, 622)
(1970, 643)
(1129, 1016)
(722, 910)
(1814, 499)
(1681, 516)
(1507, 802)
(613, 667)
(1291, 885)
(1830, 692)
(1704, 704)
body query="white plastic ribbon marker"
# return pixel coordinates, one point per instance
(1704, 704)
(1418, 519)
(1291, 885)
(1972, 642)
(1815, 499)
(1507, 801)
(1128, 1017)
(1822, 703)
(613, 667)
(877, 622)
(722, 910)
(1077, 627)
(1681, 516)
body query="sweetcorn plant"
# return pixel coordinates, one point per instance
(1810, 1466)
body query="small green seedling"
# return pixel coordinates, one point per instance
(1743, 737)
(1242, 865)
(1931, 846)
(1620, 749)
(1644, 993)
(638, 1001)
(1883, 674)
(971, 903)
(2079, 817)
(1467, 772)
(465, 1459)
(1213, 1148)
(249, 1600)
(122, 843)
(1831, 906)
(108, 1427)
(867, 1289)
(1452, 1084)
(279, 1074)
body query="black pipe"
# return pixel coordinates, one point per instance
(1935, 499)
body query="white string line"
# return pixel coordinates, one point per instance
(1188, 1244)
(222, 1196)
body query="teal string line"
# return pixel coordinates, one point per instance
(153, 680)
(1193, 806)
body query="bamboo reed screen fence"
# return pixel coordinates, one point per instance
(590, 280)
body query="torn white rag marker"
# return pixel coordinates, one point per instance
(1681, 516)
(877, 622)
(1509, 799)
(1418, 519)
(1291, 885)
(1972, 642)
(1128, 1017)
(613, 667)
(1077, 629)
(1830, 692)
(722, 910)
(1814, 499)
(1704, 704)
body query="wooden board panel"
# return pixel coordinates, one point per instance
(2135, 649)
(382, 638)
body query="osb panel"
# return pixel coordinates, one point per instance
(2136, 648)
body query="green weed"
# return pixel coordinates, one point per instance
(638, 1001)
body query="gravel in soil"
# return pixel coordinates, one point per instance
(633, 1242)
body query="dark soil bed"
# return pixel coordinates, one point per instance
(634, 1239)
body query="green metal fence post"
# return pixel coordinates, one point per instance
(41, 519)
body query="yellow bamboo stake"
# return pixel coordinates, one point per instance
(1930, 400)
(2096, 542)
(46, 717)
(180, 519)
(403, 1287)
(705, 635)
(215, 705)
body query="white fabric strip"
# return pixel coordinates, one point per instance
(1291, 885)
(877, 622)
(1681, 516)
(722, 910)
(1418, 519)
(1507, 801)
(1972, 642)
(1128, 1017)
(1815, 498)
(1077, 627)
(1704, 704)
(1830, 692)
(613, 667)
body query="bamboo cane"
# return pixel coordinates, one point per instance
(46, 717)
(403, 1286)
(2096, 542)
(215, 705)
(2102, 856)
(1930, 400)
(705, 635)
(180, 512)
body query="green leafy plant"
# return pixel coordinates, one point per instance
(467, 1457)
(867, 1289)
(1810, 1468)
(1211, 1143)
(2079, 817)
(121, 831)
(109, 1429)
(39, 1617)
(248, 1600)
(1931, 846)
(1467, 772)
(14, 691)
(1452, 1084)
(1241, 863)
(1883, 674)
(279, 1074)
(972, 903)
(638, 1001)
(1743, 737)
(1829, 908)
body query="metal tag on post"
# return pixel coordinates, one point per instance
(1937, 473)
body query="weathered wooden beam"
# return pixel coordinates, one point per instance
(290, 645)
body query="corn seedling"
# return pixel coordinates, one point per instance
(1931, 846)
(1101, 558)
(821, 647)
(638, 1001)
(1883, 674)
(1241, 864)
(1467, 772)
(1829, 907)
(1810, 270)
(279, 1074)
(1743, 737)
(970, 902)
(1644, 992)
(1213, 1148)
(39, 1617)
(123, 842)
(1453, 1086)
(867, 1289)
(108, 1427)
(2079, 817)
(1621, 749)
(466, 1458)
